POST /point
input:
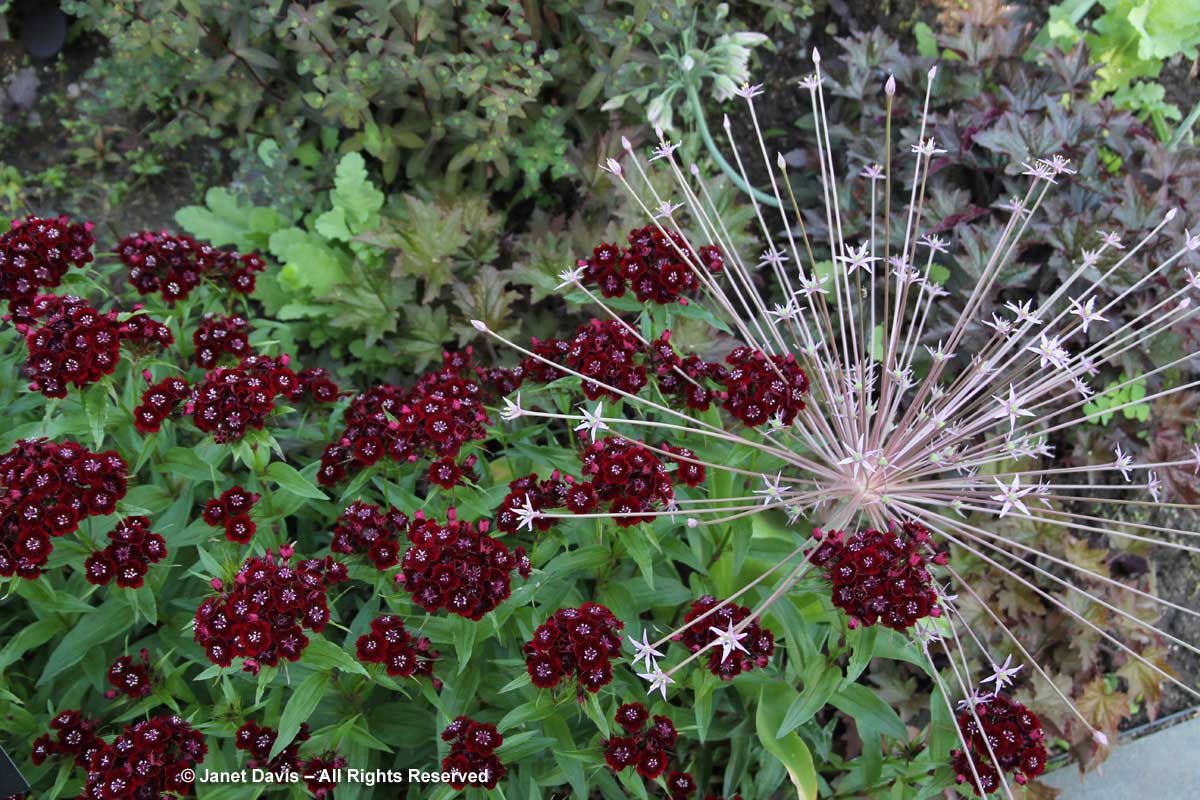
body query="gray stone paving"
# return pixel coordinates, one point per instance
(1162, 766)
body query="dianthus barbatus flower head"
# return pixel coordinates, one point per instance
(919, 444)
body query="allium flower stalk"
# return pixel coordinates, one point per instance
(901, 444)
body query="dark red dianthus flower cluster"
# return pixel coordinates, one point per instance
(881, 577)
(366, 528)
(542, 495)
(628, 477)
(433, 419)
(658, 266)
(402, 654)
(128, 556)
(143, 334)
(458, 566)
(687, 468)
(150, 759)
(48, 489)
(473, 750)
(35, 253)
(315, 382)
(261, 616)
(219, 335)
(759, 642)
(175, 265)
(446, 473)
(320, 773)
(643, 746)
(231, 511)
(607, 352)
(1015, 735)
(232, 400)
(70, 343)
(159, 402)
(130, 678)
(680, 785)
(758, 389)
(575, 642)
(74, 736)
(257, 740)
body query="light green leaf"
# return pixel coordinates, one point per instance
(300, 706)
(292, 481)
(789, 749)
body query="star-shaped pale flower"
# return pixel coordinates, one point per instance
(1024, 312)
(572, 277)
(771, 257)
(812, 285)
(527, 514)
(666, 209)
(1010, 407)
(1154, 486)
(659, 680)
(1003, 675)
(1010, 496)
(643, 650)
(859, 458)
(1050, 352)
(772, 490)
(512, 408)
(977, 697)
(872, 172)
(729, 640)
(1196, 458)
(786, 311)
(925, 634)
(592, 423)
(1124, 463)
(1086, 312)
(859, 259)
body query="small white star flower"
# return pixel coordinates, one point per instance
(928, 147)
(872, 172)
(1154, 486)
(772, 257)
(659, 680)
(1050, 352)
(859, 458)
(1010, 407)
(592, 423)
(1086, 312)
(643, 650)
(512, 409)
(527, 514)
(729, 640)
(1023, 312)
(789, 310)
(1040, 170)
(859, 259)
(748, 91)
(811, 286)
(772, 490)
(1003, 675)
(1010, 496)
(1196, 458)
(977, 697)
(572, 277)
(1124, 463)
(1193, 280)
(611, 166)
(938, 354)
